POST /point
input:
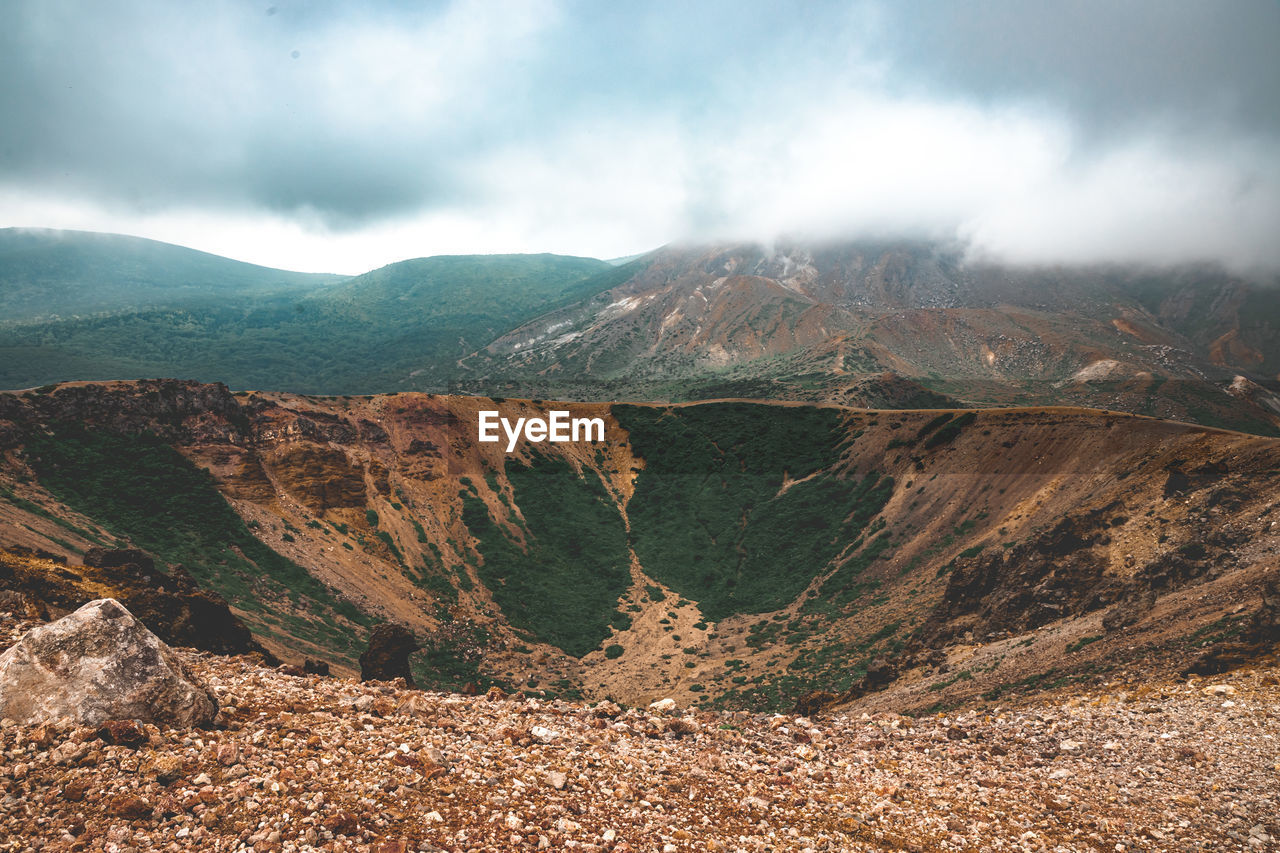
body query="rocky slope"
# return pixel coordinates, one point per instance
(868, 324)
(727, 554)
(309, 763)
(798, 321)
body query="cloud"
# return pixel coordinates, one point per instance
(330, 136)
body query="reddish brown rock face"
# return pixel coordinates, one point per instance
(168, 601)
(387, 657)
(99, 664)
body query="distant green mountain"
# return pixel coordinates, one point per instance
(49, 274)
(401, 327)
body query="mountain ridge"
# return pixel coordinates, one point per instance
(67, 273)
(897, 526)
(801, 322)
(862, 323)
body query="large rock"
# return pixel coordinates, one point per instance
(99, 664)
(387, 657)
(169, 603)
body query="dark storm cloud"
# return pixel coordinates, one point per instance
(1144, 129)
(155, 104)
(1200, 65)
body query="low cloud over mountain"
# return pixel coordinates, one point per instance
(334, 138)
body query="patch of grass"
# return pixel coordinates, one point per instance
(1082, 642)
(951, 431)
(564, 584)
(140, 489)
(36, 509)
(709, 517)
(386, 539)
(451, 657)
(1217, 631)
(962, 675)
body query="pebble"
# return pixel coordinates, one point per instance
(310, 764)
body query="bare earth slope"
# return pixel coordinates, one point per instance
(804, 321)
(727, 554)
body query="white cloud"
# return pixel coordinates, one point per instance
(590, 129)
(1145, 201)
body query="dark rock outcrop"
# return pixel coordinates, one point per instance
(880, 674)
(22, 605)
(387, 657)
(173, 409)
(1063, 573)
(815, 702)
(170, 604)
(1055, 575)
(319, 476)
(95, 665)
(1259, 636)
(107, 558)
(311, 666)
(1129, 610)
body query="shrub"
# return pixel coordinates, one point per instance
(708, 517)
(563, 586)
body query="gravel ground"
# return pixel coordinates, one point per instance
(307, 763)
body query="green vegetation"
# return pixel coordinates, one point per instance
(451, 656)
(386, 539)
(142, 490)
(36, 509)
(950, 431)
(306, 334)
(1217, 631)
(1051, 679)
(1082, 642)
(709, 517)
(834, 666)
(69, 273)
(613, 651)
(434, 578)
(563, 586)
(962, 675)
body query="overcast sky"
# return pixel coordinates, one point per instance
(339, 137)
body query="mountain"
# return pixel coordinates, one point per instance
(53, 275)
(878, 324)
(799, 321)
(165, 311)
(731, 555)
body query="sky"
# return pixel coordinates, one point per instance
(338, 137)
